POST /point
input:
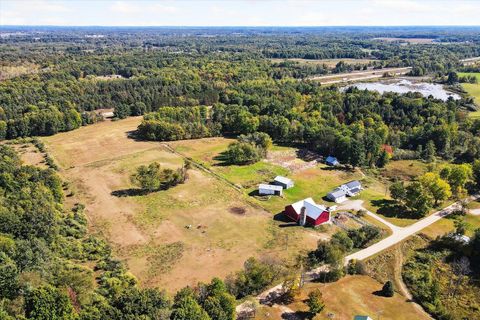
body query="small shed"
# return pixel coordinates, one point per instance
(460, 238)
(332, 161)
(362, 318)
(284, 182)
(270, 189)
(338, 195)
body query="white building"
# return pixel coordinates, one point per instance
(283, 181)
(270, 189)
(337, 195)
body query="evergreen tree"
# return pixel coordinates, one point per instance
(388, 290)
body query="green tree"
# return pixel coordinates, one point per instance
(383, 159)
(476, 172)
(315, 302)
(452, 77)
(186, 307)
(457, 175)
(438, 188)
(417, 199)
(342, 239)
(430, 151)
(8, 277)
(242, 153)
(48, 303)
(148, 177)
(388, 289)
(398, 192)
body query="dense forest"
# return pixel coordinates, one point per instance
(163, 67)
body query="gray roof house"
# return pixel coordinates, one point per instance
(352, 188)
(338, 195)
(283, 181)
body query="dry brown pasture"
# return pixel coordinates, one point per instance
(30, 155)
(170, 238)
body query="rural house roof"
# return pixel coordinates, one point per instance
(353, 185)
(337, 193)
(270, 187)
(283, 180)
(312, 209)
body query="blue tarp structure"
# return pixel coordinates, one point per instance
(332, 161)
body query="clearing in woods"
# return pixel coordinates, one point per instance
(331, 63)
(473, 89)
(172, 238)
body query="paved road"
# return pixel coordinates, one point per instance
(400, 234)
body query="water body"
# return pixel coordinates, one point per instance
(404, 86)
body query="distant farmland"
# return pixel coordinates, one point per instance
(328, 62)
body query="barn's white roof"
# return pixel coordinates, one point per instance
(312, 209)
(283, 180)
(270, 187)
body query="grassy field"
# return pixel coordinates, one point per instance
(329, 62)
(311, 180)
(190, 233)
(473, 89)
(444, 226)
(350, 296)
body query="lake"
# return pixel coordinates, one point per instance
(404, 86)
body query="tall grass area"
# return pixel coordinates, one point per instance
(473, 89)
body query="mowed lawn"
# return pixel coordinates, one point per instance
(447, 225)
(169, 239)
(350, 296)
(310, 181)
(473, 89)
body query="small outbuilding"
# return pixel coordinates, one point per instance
(284, 182)
(270, 189)
(338, 195)
(352, 188)
(307, 212)
(332, 161)
(362, 318)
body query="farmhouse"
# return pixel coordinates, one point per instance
(307, 212)
(338, 195)
(285, 183)
(352, 188)
(332, 161)
(270, 189)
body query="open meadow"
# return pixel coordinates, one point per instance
(473, 89)
(189, 233)
(350, 296)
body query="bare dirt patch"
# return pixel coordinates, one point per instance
(238, 210)
(294, 159)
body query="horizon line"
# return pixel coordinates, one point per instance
(234, 26)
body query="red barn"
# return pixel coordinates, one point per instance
(315, 214)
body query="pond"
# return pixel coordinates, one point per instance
(404, 86)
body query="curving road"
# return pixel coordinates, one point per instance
(399, 234)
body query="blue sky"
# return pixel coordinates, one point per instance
(239, 12)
